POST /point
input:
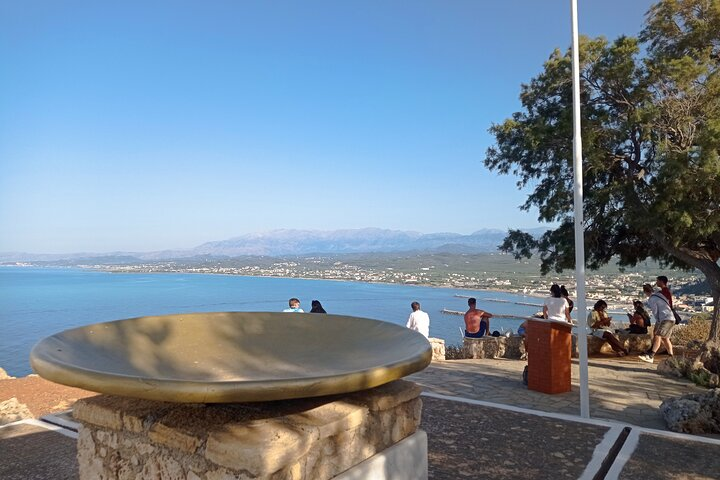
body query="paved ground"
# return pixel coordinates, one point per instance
(31, 451)
(482, 422)
(621, 389)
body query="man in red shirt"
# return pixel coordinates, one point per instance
(662, 282)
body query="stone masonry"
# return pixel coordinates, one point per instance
(438, 348)
(634, 343)
(317, 438)
(493, 347)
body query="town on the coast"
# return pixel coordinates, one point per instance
(497, 272)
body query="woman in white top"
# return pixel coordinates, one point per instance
(556, 307)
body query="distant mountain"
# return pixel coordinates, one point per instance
(367, 240)
(299, 242)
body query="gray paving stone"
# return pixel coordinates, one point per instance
(661, 457)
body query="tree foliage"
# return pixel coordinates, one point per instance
(651, 147)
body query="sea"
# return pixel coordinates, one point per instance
(37, 302)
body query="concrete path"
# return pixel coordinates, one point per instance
(621, 389)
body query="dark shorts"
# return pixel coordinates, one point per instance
(637, 329)
(480, 333)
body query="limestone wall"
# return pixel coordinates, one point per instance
(125, 438)
(494, 347)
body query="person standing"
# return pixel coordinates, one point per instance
(662, 284)
(294, 306)
(477, 322)
(418, 320)
(556, 307)
(664, 323)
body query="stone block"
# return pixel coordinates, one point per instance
(119, 413)
(438, 348)
(330, 419)
(494, 347)
(633, 342)
(257, 447)
(386, 396)
(101, 411)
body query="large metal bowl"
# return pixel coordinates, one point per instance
(231, 357)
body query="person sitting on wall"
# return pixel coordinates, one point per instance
(317, 307)
(601, 326)
(477, 322)
(639, 319)
(294, 306)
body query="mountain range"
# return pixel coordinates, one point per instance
(301, 242)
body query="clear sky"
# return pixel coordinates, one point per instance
(141, 126)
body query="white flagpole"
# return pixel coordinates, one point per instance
(579, 233)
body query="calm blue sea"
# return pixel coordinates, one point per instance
(37, 302)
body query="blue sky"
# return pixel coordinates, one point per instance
(141, 126)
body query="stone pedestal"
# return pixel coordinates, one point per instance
(318, 438)
(549, 349)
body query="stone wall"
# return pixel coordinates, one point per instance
(494, 347)
(438, 348)
(126, 438)
(635, 343)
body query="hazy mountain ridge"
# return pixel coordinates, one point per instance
(302, 242)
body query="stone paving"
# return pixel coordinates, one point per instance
(621, 389)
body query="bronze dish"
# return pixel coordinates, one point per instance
(231, 356)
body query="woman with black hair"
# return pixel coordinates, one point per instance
(566, 295)
(601, 327)
(556, 307)
(639, 319)
(317, 307)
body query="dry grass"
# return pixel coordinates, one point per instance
(697, 329)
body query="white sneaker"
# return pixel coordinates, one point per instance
(646, 358)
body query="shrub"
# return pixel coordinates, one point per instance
(698, 328)
(700, 377)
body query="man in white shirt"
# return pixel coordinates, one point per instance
(664, 323)
(418, 320)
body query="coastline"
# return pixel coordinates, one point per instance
(369, 282)
(615, 305)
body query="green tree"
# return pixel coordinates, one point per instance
(651, 147)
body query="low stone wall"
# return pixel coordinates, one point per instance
(438, 348)
(126, 438)
(633, 342)
(494, 347)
